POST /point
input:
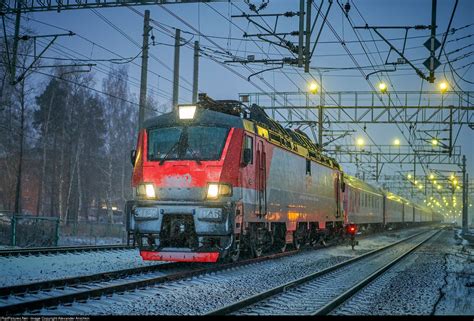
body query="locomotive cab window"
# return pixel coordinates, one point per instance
(186, 143)
(247, 156)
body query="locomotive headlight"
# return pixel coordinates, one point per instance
(146, 191)
(186, 111)
(214, 190)
(150, 191)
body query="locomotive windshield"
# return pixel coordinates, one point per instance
(186, 143)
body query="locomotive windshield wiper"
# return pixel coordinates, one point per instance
(193, 155)
(169, 152)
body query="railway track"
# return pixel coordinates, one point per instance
(34, 296)
(323, 291)
(31, 298)
(61, 249)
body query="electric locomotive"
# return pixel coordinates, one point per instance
(217, 178)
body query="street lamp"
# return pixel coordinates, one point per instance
(396, 142)
(360, 142)
(313, 87)
(409, 176)
(431, 176)
(382, 87)
(434, 142)
(443, 86)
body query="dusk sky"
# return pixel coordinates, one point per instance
(119, 31)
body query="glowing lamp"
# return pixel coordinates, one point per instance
(186, 112)
(313, 87)
(383, 87)
(214, 190)
(443, 87)
(360, 142)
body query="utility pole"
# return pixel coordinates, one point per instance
(176, 68)
(450, 130)
(431, 78)
(196, 72)
(320, 112)
(15, 43)
(144, 71)
(301, 34)
(464, 195)
(308, 35)
(20, 162)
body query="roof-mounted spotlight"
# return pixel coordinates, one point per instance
(186, 112)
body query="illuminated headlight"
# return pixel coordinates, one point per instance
(214, 190)
(186, 112)
(210, 214)
(146, 191)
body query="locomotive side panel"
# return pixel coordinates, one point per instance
(294, 192)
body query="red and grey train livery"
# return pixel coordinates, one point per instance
(217, 178)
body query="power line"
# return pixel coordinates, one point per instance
(107, 50)
(105, 71)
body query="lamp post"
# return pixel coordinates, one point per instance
(314, 88)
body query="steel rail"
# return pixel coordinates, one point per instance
(62, 249)
(71, 281)
(282, 288)
(82, 294)
(363, 283)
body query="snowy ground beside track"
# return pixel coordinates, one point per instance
(85, 240)
(28, 269)
(457, 294)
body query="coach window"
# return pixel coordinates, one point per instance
(248, 144)
(308, 167)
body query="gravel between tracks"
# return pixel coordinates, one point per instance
(202, 294)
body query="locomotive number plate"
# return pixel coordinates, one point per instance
(146, 212)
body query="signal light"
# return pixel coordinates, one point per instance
(352, 229)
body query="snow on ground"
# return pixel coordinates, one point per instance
(28, 269)
(88, 240)
(458, 292)
(202, 294)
